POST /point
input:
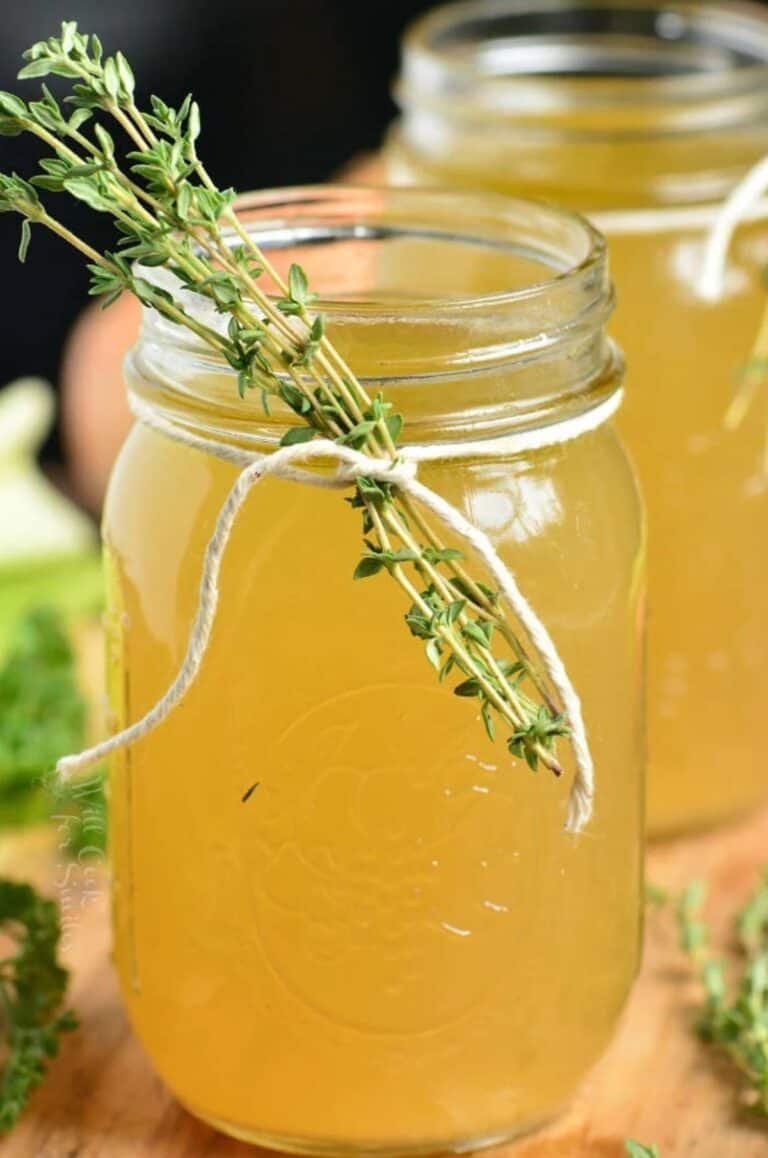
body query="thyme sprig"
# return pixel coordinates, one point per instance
(32, 988)
(735, 1016)
(752, 377)
(168, 212)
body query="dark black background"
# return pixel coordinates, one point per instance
(290, 90)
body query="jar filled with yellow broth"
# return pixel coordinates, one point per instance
(347, 920)
(644, 116)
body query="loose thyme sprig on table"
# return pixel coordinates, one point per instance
(32, 988)
(169, 213)
(735, 1017)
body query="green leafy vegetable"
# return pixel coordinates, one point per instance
(73, 585)
(43, 716)
(32, 988)
(42, 713)
(80, 812)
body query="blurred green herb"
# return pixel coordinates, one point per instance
(751, 383)
(168, 212)
(656, 896)
(32, 988)
(42, 716)
(42, 712)
(638, 1150)
(80, 812)
(752, 921)
(73, 585)
(735, 1014)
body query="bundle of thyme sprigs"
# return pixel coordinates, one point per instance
(168, 212)
(735, 1016)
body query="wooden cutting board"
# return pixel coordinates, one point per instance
(657, 1083)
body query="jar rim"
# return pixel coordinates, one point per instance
(531, 347)
(700, 64)
(511, 323)
(306, 214)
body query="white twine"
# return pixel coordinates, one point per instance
(737, 208)
(668, 219)
(282, 463)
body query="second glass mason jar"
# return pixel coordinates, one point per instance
(643, 116)
(345, 920)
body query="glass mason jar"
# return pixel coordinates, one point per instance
(644, 116)
(390, 944)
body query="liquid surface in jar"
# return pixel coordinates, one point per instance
(704, 487)
(391, 942)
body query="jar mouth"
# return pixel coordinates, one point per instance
(536, 250)
(696, 65)
(419, 288)
(489, 278)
